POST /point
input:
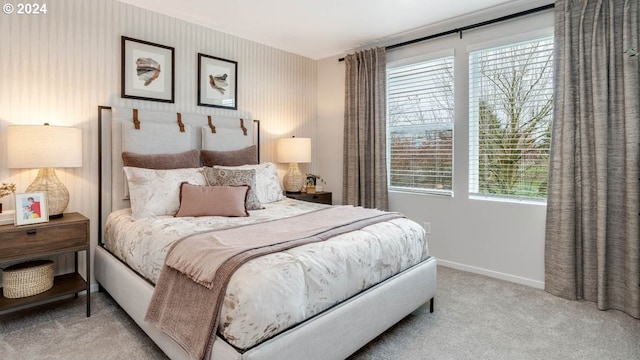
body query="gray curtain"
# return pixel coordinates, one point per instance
(365, 136)
(592, 248)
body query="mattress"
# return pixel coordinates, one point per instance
(270, 294)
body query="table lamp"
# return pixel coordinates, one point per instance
(45, 147)
(293, 150)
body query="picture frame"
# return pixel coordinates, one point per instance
(31, 208)
(217, 82)
(147, 70)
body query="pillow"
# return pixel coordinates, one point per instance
(248, 155)
(187, 159)
(212, 200)
(236, 177)
(157, 192)
(268, 187)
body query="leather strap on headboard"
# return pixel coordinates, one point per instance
(244, 129)
(180, 122)
(136, 122)
(213, 128)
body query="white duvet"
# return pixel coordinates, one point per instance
(272, 293)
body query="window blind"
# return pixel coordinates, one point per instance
(420, 125)
(510, 113)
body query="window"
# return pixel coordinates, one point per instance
(420, 126)
(510, 112)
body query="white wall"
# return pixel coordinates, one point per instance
(330, 125)
(59, 67)
(500, 239)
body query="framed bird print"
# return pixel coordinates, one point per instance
(217, 82)
(147, 70)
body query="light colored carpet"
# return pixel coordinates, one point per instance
(476, 317)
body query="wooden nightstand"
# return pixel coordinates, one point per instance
(322, 197)
(65, 235)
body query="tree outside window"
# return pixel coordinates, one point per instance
(511, 106)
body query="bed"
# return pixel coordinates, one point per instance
(321, 299)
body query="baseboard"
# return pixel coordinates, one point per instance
(494, 274)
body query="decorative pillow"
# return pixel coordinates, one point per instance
(246, 156)
(234, 177)
(212, 200)
(268, 187)
(157, 192)
(187, 159)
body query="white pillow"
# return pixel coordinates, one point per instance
(157, 192)
(268, 187)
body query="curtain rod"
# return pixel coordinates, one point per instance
(469, 27)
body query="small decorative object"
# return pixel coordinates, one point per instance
(45, 147)
(7, 217)
(31, 208)
(27, 279)
(312, 183)
(293, 150)
(217, 82)
(6, 189)
(147, 71)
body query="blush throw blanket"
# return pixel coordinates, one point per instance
(187, 299)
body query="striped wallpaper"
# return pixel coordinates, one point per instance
(59, 67)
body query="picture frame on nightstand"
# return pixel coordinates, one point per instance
(31, 208)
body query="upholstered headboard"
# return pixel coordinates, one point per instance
(153, 132)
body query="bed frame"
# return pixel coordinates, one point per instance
(332, 334)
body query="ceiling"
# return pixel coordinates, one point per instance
(316, 29)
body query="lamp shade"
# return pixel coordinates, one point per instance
(43, 146)
(293, 150)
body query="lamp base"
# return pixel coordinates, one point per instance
(293, 179)
(57, 194)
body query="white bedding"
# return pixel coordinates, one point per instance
(267, 295)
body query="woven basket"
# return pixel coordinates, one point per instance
(27, 279)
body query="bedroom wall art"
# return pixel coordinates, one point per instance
(147, 70)
(217, 82)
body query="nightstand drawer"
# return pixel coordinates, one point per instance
(322, 197)
(34, 240)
